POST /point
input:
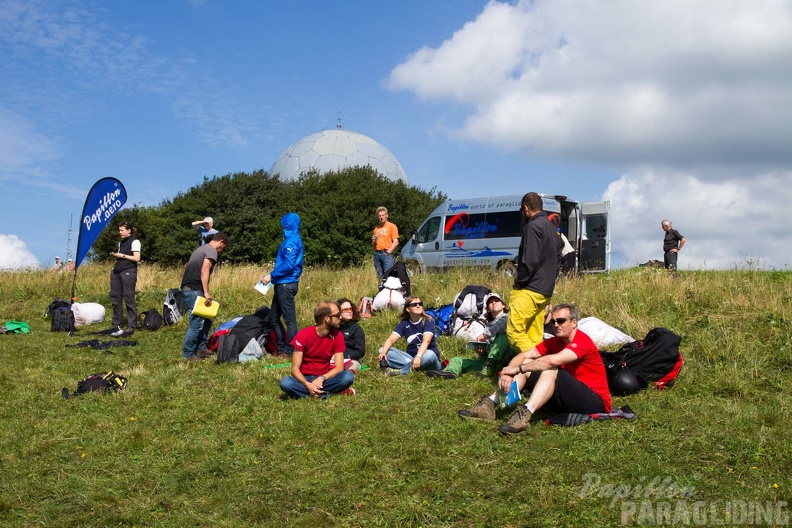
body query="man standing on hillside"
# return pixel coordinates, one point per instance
(672, 243)
(205, 229)
(385, 240)
(565, 370)
(537, 269)
(285, 278)
(312, 373)
(195, 283)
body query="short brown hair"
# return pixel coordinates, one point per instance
(533, 201)
(322, 310)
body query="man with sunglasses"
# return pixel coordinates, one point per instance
(312, 372)
(565, 371)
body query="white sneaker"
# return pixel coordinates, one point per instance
(118, 333)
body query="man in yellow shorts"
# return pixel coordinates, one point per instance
(537, 269)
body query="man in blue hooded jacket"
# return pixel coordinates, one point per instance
(285, 278)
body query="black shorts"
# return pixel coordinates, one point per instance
(569, 395)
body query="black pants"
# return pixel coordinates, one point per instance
(122, 287)
(570, 395)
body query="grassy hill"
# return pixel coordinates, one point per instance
(199, 444)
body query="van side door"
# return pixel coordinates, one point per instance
(428, 250)
(595, 237)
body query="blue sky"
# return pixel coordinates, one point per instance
(666, 109)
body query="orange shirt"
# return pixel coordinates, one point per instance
(387, 234)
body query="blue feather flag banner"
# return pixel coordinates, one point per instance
(105, 199)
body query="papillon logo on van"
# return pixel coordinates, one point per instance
(457, 207)
(457, 227)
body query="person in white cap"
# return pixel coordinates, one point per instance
(58, 265)
(69, 265)
(206, 229)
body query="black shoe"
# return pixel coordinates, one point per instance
(443, 374)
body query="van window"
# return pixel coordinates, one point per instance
(429, 230)
(464, 226)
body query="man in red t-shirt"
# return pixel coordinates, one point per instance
(565, 370)
(317, 368)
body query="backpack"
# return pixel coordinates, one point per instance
(469, 303)
(442, 318)
(655, 358)
(100, 382)
(173, 307)
(228, 349)
(150, 320)
(397, 271)
(61, 316)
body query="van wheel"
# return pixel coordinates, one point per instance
(412, 266)
(506, 267)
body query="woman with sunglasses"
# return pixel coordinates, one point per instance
(354, 336)
(418, 329)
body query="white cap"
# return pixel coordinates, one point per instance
(70, 260)
(208, 220)
(57, 258)
(490, 296)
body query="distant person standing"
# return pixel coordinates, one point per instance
(123, 278)
(195, 283)
(385, 240)
(69, 265)
(672, 243)
(58, 266)
(285, 278)
(534, 282)
(205, 229)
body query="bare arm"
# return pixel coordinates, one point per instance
(388, 344)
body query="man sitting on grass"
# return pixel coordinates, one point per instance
(565, 370)
(312, 374)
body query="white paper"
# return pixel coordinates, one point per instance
(263, 288)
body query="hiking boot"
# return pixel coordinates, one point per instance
(518, 422)
(443, 374)
(193, 358)
(118, 332)
(388, 371)
(203, 354)
(383, 364)
(488, 370)
(484, 409)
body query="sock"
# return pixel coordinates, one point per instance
(530, 409)
(494, 397)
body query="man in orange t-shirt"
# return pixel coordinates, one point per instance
(385, 240)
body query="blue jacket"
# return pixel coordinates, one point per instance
(289, 261)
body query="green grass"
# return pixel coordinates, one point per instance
(199, 444)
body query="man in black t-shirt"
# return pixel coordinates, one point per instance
(672, 243)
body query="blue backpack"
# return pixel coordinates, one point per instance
(442, 318)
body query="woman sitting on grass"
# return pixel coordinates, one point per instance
(418, 329)
(354, 337)
(494, 351)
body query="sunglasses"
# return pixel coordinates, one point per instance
(414, 304)
(559, 321)
(337, 314)
(346, 310)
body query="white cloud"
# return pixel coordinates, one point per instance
(620, 81)
(14, 254)
(726, 225)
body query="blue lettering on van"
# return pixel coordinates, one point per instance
(457, 207)
(479, 230)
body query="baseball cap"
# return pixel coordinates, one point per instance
(491, 296)
(208, 220)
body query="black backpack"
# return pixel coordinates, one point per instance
(228, 349)
(61, 316)
(150, 320)
(173, 307)
(100, 382)
(655, 358)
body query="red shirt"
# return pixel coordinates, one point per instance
(317, 350)
(588, 369)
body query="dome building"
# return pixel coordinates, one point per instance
(331, 150)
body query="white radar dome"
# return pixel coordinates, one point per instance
(332, 150)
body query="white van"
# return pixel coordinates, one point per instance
(486, 232)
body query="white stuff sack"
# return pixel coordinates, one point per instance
(603, 334)
(468, 329)
(388, 298)
(87, 313)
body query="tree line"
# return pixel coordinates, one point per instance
(337, 210)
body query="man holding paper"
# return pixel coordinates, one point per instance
(195, 283)
(565, 371)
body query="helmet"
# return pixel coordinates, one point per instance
(624, 382)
